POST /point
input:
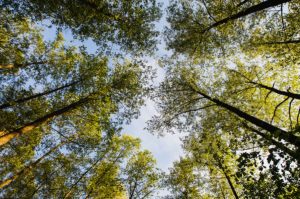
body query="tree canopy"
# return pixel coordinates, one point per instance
(230, 84)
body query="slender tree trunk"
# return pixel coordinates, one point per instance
(26, 169)
(9, 104)
(285, 93)
(45, 182)
(253, 9)
(7, 66)
(6, 137)
(276, 132)
(230, 184)
(279, 145)
(103, 174)
(227, 178)
(85, 173)
(146, 195)
(132, 191)
(280, 42)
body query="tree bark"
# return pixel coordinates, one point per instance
(253, 9)
(6, 137)
(9, 104)
(276, 132)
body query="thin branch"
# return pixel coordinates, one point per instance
(281, 14)
(191, 101)
(290, 117)
(269, 93)
(298, 116)
(237, 72)
(242, 90)
(242, 3)
(278, 105)
(207, 10)
(189, 111)
(296, 41)
(71, 141)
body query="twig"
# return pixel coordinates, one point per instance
(290, 117)
(298, 116)
(269, 93)
(210, 15)
(278, 105)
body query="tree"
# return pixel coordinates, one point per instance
(209, 29)
(190, 104)
(127, 23)
(233, 76)
(256, 8)
(141, 176)
(182, 180)
(66, 169)
(208, 150)
(185, 82)
(62, 109)
(92, 85)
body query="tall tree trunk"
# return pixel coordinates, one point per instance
(26, 169)
(7, 66)
(6, 137)
(227, 177)
(276, 132)
(272, 89)
(67, 195)
(132, 191)
(103, 174)
(45, 181)
(280, 42)
(9, 104)
(279, 145)
(256, 8)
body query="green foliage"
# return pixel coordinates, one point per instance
(61, 113)
(126, 23)
(182, 181)
(142, 177)
(230, 68)
(231, 84)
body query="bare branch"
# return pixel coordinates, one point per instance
(269, 92)
(207, 10)
(193, 110)
(298, 116)
(290, 117)
(278, 105)
(242, 3)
